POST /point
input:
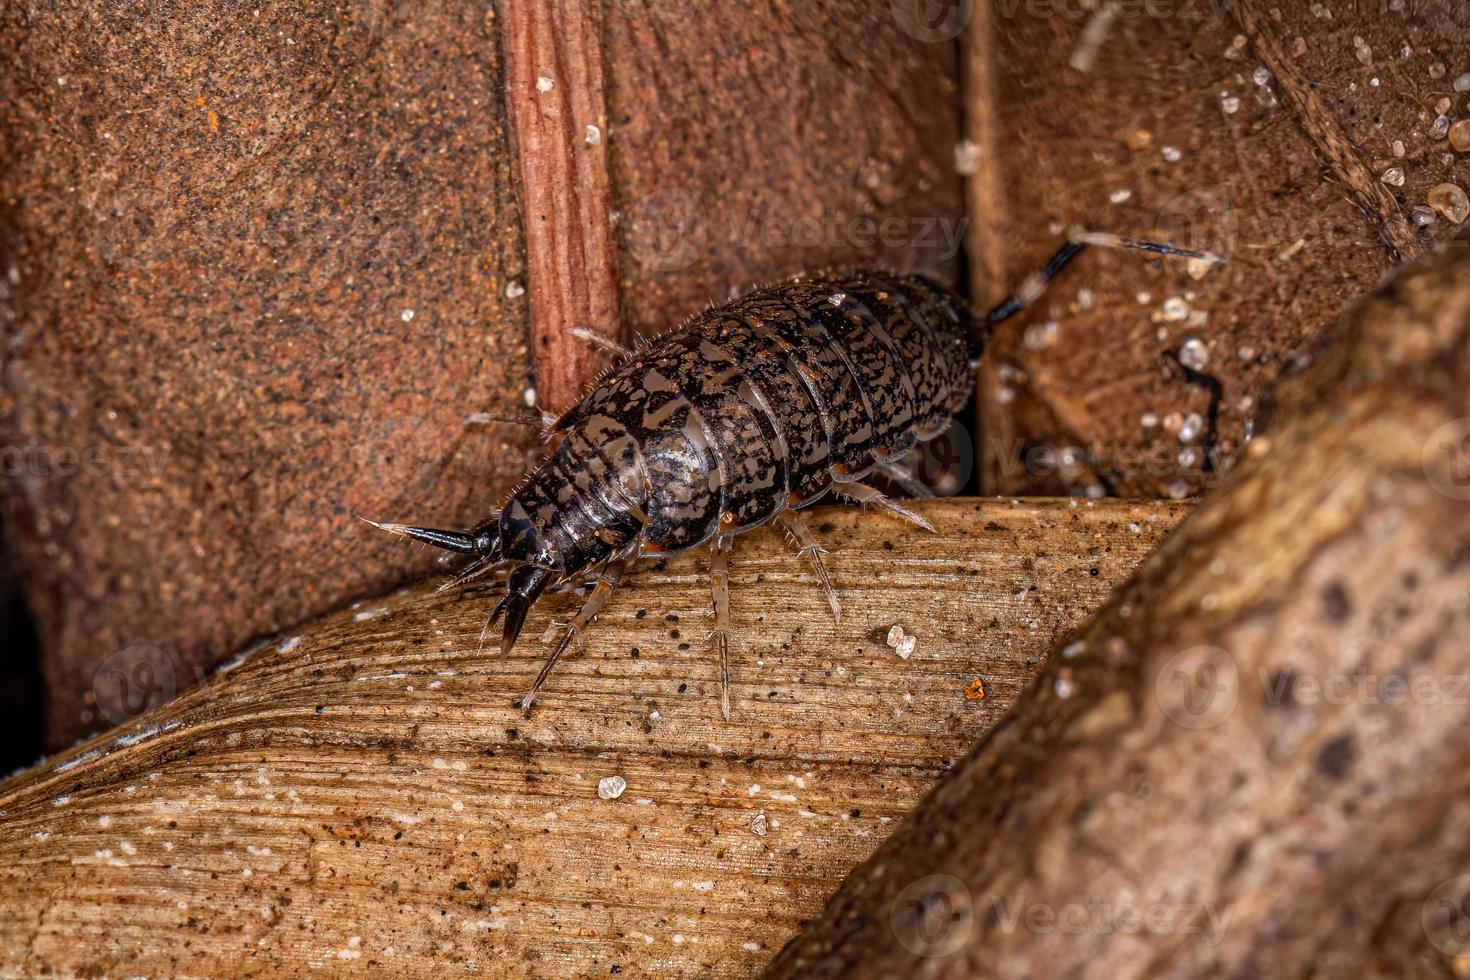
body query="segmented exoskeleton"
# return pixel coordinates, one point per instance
(747, 413)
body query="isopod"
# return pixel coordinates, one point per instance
(748, 413)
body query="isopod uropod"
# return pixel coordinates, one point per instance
(747, 413)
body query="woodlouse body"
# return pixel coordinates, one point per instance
(750, 409)
(747, 413)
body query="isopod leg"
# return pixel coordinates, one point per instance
(865, 495)
(807, 547)
(719, 585)
(599, 341)
(536, 417)
(1035, 284)
(905, 478)
(473, 570)
(606, 584)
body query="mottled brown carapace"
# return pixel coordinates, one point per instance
(747, 413)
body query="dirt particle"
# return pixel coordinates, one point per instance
(1335, 760)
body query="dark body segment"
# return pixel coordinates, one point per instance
(686, 476)
(908, 346)
(683, 493)
(946, 322)
(771, 369)
(824, 364)
(712, 377)
(881, 375)
(920, 345)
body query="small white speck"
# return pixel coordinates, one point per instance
(545, 84)
(406, 315)
(836, 299)
(611, 787)
(1120, 195)
(1171, 153)
(514, 289)
(289, 644)
(758, 824)
(1193, 425)
(1262, 75)
(594, 135)
(966, 158)
(1064, 687)
(1039, 336)
(529, 397)
(1194, 354)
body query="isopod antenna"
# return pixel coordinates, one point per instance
(1034, 285)
(480, 541)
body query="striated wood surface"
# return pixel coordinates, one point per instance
(364, 796)
(555, 103)
(1255, 761)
